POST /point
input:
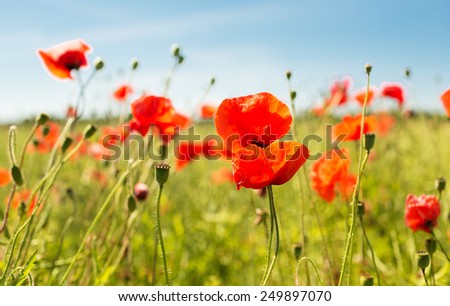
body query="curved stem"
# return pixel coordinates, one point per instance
(371, 250)
(274, 227)
(312, 264)
(440, 246)
(425, 277)
(161, 240)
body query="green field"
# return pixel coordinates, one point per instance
(209, 229)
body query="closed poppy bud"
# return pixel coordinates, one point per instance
(367, 281)
(407, 72)
(368, 68)
(360, 209)
(213, 80)
(42, 119)
(298, 250)
(134, 64)
(89, 131)
(293, 94)
(16, 174)
(162, 173)
(423, 259)
(45, 131)
(99, 63)
(180, 59)
(440, 184)
(430, 245)
(131, 203)
(141, 191)
(288, 74)
(66, 144)
(369, 141)
(175, 50)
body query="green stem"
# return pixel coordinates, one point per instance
(349, 244)
(371, 250)
(274, 225)
(161, 240)
(312, 264)
(97, 218)
(440, 246)
(425, 277)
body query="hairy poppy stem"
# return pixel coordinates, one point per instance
(274, 228)
(361, 163)
(161, 240)
(425, 277)
(371, 250)
(307, 259)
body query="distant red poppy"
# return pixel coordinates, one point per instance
(385, 123)
(422, 212)
(5, 177)
(222, 175)
(339, 91)
(186, 152)
(360, 96)
(170, 129)
(208, 111)
(46, 137)
(152, 110)
(61, 59)
(122, 92)
(351, 127)
(71, 112)
(445, 98)
(394, 91)
(249, 126)
(23, 196)
(330, 174)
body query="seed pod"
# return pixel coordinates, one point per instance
(16, 174)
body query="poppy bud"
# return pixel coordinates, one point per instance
(213, 80)
(16, 174)
(298, 250)
(42, 119)
(288, 74)
(293, 94)
(66, 144)
(131, 203)
(440, 184)
(423, 259)
(360, 209)
(162, 173)
(22, 209)
(180, 59)
(89, 131)
(368, 68)
(141, 191)
(367, 281)
(45, 131)
(134, 64)
(175, 50)
(99, 64)
(369, 141)
(430, 245)
(407, 72)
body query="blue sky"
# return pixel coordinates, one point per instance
(246, 45)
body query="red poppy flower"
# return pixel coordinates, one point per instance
(445, 98)
(360, 95)
(61, 59)
(122, 92)
(187, 152)
(330, 173)
(249, 126)
(71, 112)
(351, 127)
(422, 212)
(45, 138)
(385, 123)
(137, 126)
(221, 176)
(170, 129)
(208, 111)
(23, 196)
(339, 91)
(5, 177)
(257, 119)
(394, 91)
(153, 110)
